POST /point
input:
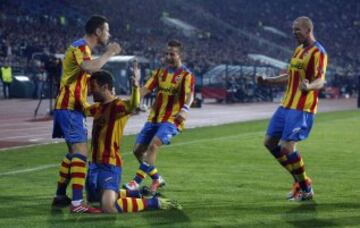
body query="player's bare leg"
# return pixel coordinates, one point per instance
(139, 151)
(152, 151)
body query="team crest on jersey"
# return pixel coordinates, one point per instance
(177, 78)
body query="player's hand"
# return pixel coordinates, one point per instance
(261, 80)
(135, 73)
(181, 116)
(305, 85)
(113, 48)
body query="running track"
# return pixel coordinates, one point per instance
(18, 127)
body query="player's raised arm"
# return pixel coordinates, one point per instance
(91, 66)
(134, 100)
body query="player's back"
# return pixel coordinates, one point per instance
(108, 129)
(73, 84)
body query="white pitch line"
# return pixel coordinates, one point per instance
(30, 136)
(172, 145)
(36, 139)
(48, 166)
(46, 127)
(42, 167)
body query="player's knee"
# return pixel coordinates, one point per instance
(108, 208)
(268, 144)
(139, 151)
(108, 201)
(156, 142)
(287, 148)
(154, 146)
(139, 156)
(136, 152)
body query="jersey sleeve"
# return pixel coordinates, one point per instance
(81, 54)
(320, 65)
(189, 86)
(153, 81)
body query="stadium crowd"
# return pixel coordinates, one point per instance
(226, 32)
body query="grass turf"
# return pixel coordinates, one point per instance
(222, 176)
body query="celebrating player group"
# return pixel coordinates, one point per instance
(98, 170)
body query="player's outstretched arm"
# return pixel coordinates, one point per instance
(94, 65)
(134, 101)
(278, 80)
(151, 84)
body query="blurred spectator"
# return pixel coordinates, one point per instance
(7, 78)
(39, 78)
(226, 32)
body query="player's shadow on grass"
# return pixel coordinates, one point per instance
(153, 219)
(67, 219)
(25, 207)
(306, 215)
(166, 218)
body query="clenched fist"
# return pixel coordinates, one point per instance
(113, 48)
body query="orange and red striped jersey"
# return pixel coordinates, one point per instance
(108, 128)
(73, 84)
(172, 87)
(307, 63)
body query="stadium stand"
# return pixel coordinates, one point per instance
(226, 33)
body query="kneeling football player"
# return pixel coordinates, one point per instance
(104, 173)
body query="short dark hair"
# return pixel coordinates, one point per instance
(175, 43)
(103, 77)
(94, 22)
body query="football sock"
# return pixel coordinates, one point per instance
(281, 156)
(64, 175)
(123, 193)
(153, 172)
(78, 173)
(128, 204)
(297, 163)
(141, 172)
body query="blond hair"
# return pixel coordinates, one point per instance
(305, 21)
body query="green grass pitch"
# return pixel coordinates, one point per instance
(222, 175)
